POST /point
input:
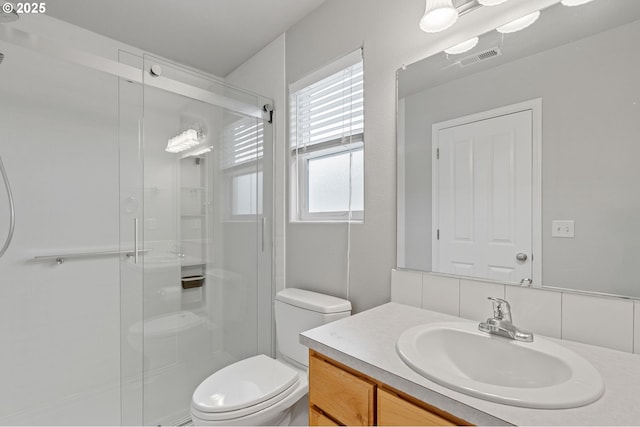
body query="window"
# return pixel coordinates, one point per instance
(246, 193)
(327, 143)
(242, 164)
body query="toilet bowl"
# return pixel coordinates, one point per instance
(261, 390)
(255, 391)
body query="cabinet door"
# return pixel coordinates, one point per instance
(394, 411)
(345, 397)
(316, 418)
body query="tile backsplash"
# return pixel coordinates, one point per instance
(537, 309)
(598, 320)
(441, 294)
(606, 322)
(410, 293)
(474, 304)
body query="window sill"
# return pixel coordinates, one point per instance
(325, 221)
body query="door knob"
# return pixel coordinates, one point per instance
(521, 256)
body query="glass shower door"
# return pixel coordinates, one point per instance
(59, 294)
(203, 227)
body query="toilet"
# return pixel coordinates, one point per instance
(261, 390)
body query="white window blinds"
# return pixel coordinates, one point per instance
(329, 111)
(243, 142)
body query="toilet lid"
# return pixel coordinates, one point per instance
(243, 384)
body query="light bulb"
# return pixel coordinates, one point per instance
(463, 47)
(183, 141)
(438, 16)
(519, 24)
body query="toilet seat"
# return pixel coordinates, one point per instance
(244, 388)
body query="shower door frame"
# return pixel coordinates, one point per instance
(130, 73)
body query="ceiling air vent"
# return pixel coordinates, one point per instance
(481, 56)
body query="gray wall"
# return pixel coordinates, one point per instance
(417, 213)
(317, 253)
(389, 32)
(591, 120)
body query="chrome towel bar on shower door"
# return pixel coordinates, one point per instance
(61, 258)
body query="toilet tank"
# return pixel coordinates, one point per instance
(297, 311)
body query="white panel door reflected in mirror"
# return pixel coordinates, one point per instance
(482, 195)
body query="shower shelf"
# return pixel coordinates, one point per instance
(194, 263)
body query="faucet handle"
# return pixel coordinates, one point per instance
(501, 309)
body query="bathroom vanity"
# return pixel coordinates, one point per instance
(357, 378)
(362, 400)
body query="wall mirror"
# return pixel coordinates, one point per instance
(568, 84)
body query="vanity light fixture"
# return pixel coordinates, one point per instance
(463, 47)
(491, 2)
(519, 24)
(183, 141)
(575, 2)
(438, 16)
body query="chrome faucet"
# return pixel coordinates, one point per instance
(501, 323)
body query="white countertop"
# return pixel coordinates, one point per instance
(366, 343)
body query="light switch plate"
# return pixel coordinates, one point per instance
(562, 228)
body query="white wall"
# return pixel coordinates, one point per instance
(388, 30)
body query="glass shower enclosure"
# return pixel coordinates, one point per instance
(141, 260)
(201, 229)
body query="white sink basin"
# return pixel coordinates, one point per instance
(538, 374)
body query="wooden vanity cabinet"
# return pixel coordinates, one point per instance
(394, 410)
(317, 418)
(339, 395)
